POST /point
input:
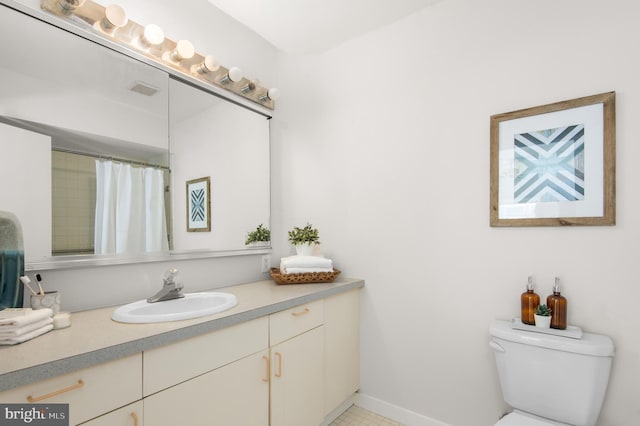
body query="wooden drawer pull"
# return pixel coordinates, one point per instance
(135, 419)
(297, 314)
(56, 393)
(266, 358)
(279, 371)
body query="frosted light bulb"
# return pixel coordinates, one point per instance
(273, 93)
(235, 74)
(209, 64)
(114, 17)
(153, 35)
(184, 50)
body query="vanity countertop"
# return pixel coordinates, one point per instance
(94, 338)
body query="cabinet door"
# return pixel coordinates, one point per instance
(342, 348)
(297, 380)
(234, 395)
(131, 415)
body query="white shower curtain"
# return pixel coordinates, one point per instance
(130, 214)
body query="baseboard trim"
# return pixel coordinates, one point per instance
(393, 412)
(338, 411)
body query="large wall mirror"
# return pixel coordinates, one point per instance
(97, 148)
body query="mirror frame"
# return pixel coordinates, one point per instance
(80, 261)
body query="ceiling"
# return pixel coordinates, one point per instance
(314, 26)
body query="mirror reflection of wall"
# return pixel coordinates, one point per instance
(230, 144)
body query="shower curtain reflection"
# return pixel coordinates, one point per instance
(130, 209)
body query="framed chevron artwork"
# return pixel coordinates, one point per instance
(199, 205)
(554, 165)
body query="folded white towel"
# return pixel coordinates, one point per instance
(303, 270)
(29, 317)
(306, 262)
(14, 331)
(27, 336)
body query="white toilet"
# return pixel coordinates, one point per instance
(551, 380)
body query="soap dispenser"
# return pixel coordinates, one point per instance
(558, 305)
(529, 301)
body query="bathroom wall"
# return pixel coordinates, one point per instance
(211, 31)
(383, 144)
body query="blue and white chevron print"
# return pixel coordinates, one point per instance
(197, 205)
(549, 165)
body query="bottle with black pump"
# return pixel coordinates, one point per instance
(529, 301)
(558, 305)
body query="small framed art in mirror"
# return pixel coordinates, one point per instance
(199, 205)
(554, 165)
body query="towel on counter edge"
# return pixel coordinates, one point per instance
(15, 331)
(25, 337)
(28, 318)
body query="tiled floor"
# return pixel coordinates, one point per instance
(357, 416)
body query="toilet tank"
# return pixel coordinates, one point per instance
(559, 378)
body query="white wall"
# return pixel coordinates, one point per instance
(394, 171)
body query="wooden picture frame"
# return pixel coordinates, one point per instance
(554, 165)
(199, 205)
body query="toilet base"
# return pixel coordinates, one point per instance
(518, 418)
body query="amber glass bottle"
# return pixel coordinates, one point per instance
(529, 301)
(558, 305)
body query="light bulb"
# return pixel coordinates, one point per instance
(152, 36)
(114, 17)
(273, 93)
(235, 74)
(184, 50)
(209, 64)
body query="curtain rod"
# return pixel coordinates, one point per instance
(106, 157)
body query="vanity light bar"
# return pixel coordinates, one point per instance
(151, 42)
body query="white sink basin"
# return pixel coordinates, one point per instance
(192, 305)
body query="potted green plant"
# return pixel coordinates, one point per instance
(259, 237)
(304, 239)
(543, 316)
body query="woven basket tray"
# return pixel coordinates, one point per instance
(307, 277)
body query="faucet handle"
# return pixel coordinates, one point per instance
(170, 275)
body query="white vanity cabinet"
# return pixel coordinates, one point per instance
(297, 365)
(287, 368)
(217, 378)
(342, 348)
(90, 392)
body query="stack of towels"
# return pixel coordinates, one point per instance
(20, 325)
(302, 264)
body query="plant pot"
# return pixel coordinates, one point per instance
(304, 249)
(542, 321)
(260, 244)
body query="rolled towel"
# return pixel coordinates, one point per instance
(9, 332)
(29, 317)
(304, 270)
(306, 262)
(28, 336)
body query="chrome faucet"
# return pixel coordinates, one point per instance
(170, 288)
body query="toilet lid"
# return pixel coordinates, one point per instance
(517, 419)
